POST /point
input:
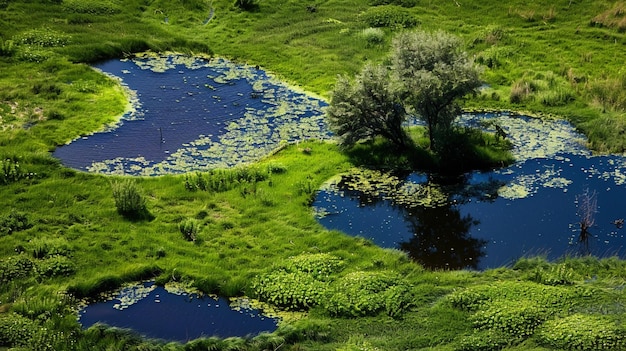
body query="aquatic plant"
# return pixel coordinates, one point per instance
(587, 204)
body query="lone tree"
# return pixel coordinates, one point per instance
(367, 107)
(428, 75)
(434, 74)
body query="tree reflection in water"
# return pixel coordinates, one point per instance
(441, 238)
(439, 235)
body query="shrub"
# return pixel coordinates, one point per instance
(7, 47)
(91, 7)
(128, 200)
(189, 229)
(295, 291)
(373, 36)
(55, 266)
(14, 222)
(15, 267)
(16, 330)
(320, 266)
(487, 340)
(247, 5)
(11, 171)
(518, 319)
(388, 16)
(583, 332)
(299, 282)
(368, 293)
(44, 37)
(46, 247)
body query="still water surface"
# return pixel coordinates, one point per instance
(155, 312)
(493, 218)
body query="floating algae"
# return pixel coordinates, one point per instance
(195, 114)
(489, 219)
(175, 313)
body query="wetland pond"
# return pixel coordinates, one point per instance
(489, 219)
(173, 315)
(194, 114)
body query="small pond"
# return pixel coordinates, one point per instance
(192, 114)
(489, 219)
(156, 312)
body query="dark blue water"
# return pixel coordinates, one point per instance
(493, 218)
(193, 114)
(155, 313)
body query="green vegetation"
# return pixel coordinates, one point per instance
(62, 237)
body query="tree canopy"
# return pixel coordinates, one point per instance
(367, 107)
(428, 74)
(434, 74)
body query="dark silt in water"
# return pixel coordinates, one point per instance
(153, 312)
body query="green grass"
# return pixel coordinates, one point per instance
(562, 58)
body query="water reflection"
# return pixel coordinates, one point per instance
(441, 238)
(490, 219)
(155, 312)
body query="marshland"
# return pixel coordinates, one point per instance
(232, 170)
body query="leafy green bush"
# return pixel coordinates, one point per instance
(128, 200)
(15, 267)
(189, 228)
(516, 309)
(368, 293)
(320, 266)
(583, 332)
(55, 266)
(373, 36)
(487, 340)
(295, 291)
(518, 319)
(92, 7)
(7, 47)
(388, 16)
(33, 54)
(14, 222)
(299, 282)
(16, 330)
(11, 171)
(48, 247)
(44, 37)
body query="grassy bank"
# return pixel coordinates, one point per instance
(60, 230)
